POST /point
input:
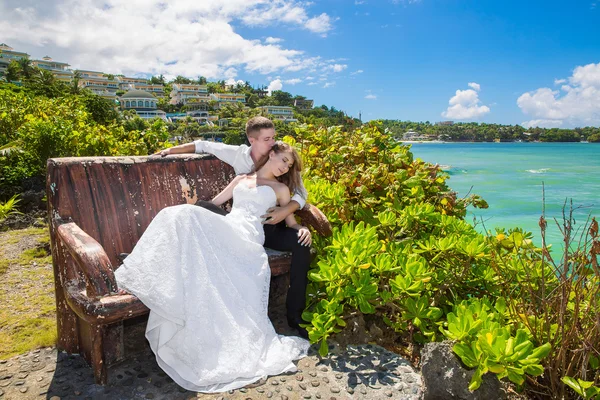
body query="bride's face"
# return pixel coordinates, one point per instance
(280, 163)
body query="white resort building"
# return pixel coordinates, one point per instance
(7, 54)
(228, 98)
(144, 104)
(157, 90)
(99, 84)
(127, 83)
(282, 113)
(60, 70)
(193, 96)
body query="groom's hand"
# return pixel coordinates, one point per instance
(274, 215)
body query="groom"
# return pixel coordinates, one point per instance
(261, 135)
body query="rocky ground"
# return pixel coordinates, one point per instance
(354, 372)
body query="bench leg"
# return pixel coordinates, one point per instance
(97, 360)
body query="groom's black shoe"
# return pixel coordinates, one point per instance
(295, 323)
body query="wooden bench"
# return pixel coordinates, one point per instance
(98, 207)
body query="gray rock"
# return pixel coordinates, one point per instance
(445, 377)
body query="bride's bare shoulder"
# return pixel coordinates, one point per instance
(282, 191)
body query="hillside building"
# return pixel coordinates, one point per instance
(7, 54)
(99, 84)
(193, 96)
(143, 103)
(304, 104)
(282, 113)
(60, 70)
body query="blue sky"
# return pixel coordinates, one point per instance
(531, 63)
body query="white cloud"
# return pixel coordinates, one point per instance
(178, 37)
(358, 71)
(259, 13)
(328, 84)
(335, 67)
(309, 78)
(312, 83)
(359, 2)
(232, 81)
(274, 85)
(273, 40)
(370, 97)
(292, 81)
(475, 86)
(230, 73)
(559, 81)
(465, 104)
(577, 103)
(320, 24)
(542, 123)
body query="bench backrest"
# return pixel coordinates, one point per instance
(114, 199)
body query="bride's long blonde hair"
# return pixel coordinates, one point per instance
(291, 178)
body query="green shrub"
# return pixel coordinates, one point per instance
(9, 207)
(402, 254)
(37, 128)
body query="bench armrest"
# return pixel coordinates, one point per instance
(90, 258)
(312, 216)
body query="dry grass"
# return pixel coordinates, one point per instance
(27, 304)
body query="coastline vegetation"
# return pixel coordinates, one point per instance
(402, 258)
(404, 261)
(482, 132)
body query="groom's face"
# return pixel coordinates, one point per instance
(263, 141)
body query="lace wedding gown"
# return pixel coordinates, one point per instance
(205, 278)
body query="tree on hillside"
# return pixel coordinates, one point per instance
(158, 80)
(182, 80)
(282, 98)
(43, 83)
(102, 110)
(75, 82)
(252, 101)
(201, 80)
(214, 87)
(13, 71)
(26, 67)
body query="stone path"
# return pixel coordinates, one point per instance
(357, 372)
(354, 372)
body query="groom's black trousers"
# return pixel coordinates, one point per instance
(280, 237)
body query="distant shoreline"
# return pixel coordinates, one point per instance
(446, 141)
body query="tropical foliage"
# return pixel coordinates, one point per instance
(403, 257)
(35, 128)
(9, 207)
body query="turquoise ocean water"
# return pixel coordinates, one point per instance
(509, 177)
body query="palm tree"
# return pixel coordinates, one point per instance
(26, 67)
(44, 78)
(75, 82)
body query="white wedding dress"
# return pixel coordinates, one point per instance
(205, 278)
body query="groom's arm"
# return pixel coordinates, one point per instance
(181, 149)
(277, 214)
(230, 154)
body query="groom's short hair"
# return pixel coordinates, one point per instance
(255, 124)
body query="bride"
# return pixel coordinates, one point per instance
(205, 278)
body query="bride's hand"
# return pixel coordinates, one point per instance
(304, 236)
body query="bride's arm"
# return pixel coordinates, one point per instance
(227, 193)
